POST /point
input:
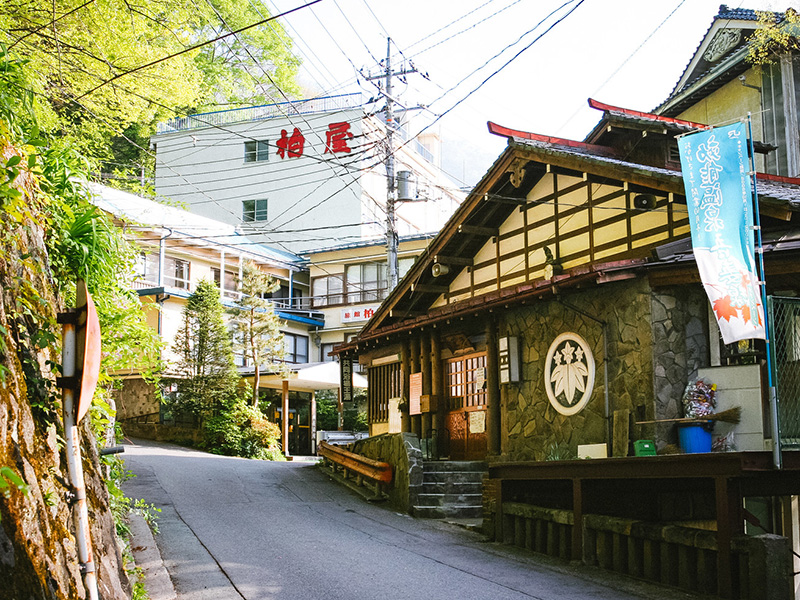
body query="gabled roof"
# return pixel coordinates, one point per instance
(719, 58)
(494, 198)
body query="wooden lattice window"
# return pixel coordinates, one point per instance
(384, 383)
(466, 381)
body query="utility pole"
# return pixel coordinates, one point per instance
(391, 185)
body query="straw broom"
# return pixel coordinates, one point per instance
(731, 415)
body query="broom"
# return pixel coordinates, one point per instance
(731, 415)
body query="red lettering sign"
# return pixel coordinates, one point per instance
(368, 312)
(336, 137)
(291, 146)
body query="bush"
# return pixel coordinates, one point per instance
(239, 429)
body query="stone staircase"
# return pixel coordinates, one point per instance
(451, 489)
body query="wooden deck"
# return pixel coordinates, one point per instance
(712, 486)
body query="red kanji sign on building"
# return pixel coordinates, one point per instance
(291, 146)
(336, 137)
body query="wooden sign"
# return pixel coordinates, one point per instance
(414, 393)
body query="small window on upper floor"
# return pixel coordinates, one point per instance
(254, 210)
(256, 151)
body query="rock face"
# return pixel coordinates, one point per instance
(38, 555)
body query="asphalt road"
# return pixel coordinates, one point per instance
(233, 528)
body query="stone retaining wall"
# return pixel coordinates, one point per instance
(402, 451)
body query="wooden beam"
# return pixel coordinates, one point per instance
(452, 260)
(477, 230)
(428, 289)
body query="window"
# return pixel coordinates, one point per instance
(230, 290)
(466, 377)
(366, 282)
(384, 384)
(147, 268)
(327, 290)
(256, 151)
(176, 273)
(254, 210)
(296, 348)
(325, 350)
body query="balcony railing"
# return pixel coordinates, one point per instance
(258, 113)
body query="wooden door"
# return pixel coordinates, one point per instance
(466, 402)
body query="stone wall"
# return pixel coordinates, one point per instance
(531, 426)
(136, 399)
(402, 451)
(680, 348)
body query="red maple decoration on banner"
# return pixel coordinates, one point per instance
(724, 309)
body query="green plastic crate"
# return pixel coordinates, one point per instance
(644, 448)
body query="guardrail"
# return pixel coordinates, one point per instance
(362, 468)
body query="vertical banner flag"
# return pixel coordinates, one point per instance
(719, 199)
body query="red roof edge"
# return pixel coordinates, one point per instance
(635, 113)
(506, 132)
(778, 178)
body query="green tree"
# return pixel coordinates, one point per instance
(775, 36)
(256, 327)
(77, 49)
(206, 372)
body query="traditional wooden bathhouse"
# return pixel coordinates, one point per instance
(558, 309)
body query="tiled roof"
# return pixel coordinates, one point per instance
(740, 14)
(783, 190)
(724, 14)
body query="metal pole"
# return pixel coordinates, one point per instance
(71, 438)
(777, 456)
(391, 222)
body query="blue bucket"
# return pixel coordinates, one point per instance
(695, 437)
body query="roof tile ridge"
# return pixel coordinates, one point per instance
(646, 115)
(507, 132)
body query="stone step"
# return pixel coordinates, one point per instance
(444, 512)
(449, 499)
(429, 476)
(452, 487)
(455, 465)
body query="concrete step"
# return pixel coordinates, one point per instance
(452, 476)
(449, 499)
(455, 465)
(444, 512)
(452, 487)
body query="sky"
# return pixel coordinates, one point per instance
(628, 53)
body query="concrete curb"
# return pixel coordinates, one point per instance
(148, 558)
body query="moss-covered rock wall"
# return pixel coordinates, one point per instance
(38, 556)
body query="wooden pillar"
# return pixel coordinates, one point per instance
(493, 445)
(438, 391)
(405, 366)
(416, 425)
(425, 367)
(339, 408)
(730, 522)
(577, 520)
(285, 417)
(313, 424)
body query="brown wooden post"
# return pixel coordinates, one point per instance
(405, 366)
(437, 391)
(730, 522)
(313, 424)
(285, 416)
(416, 425)
(577, 520)
(425, 367)
(492, 390)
